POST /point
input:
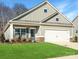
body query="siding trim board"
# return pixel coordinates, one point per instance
(40, 24)
(29, 11)
(49, 17)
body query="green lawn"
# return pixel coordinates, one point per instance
(33, 51)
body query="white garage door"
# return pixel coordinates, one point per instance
(55, 35)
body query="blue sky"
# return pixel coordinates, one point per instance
(68, 7)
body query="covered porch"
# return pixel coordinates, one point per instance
(24, 33)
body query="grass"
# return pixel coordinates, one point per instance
(33, 51)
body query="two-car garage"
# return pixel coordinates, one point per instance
(57, 35)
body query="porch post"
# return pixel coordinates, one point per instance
(11, 32)
(29, 34)
(39, 37)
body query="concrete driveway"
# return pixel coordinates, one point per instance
(66, 57)
(67, 44)
(70, 45)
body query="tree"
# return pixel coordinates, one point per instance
(19, 9)
(6, 14)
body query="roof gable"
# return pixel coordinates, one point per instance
(75, 19)
(37, 13)
(58, 19)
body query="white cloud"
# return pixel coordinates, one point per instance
(65, 7)
(71, 15)
(62, 6)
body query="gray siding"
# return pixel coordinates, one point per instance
(42, 29)
(38, 14)
(75, 23)
(61, 19)
(9, 32)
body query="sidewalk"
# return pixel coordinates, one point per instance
(66, 57)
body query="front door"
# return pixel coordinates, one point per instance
(33, 35)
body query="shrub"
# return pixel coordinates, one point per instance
(76, 39)
(2, 38)
(7, 41)
(23, 40)
(13, 41)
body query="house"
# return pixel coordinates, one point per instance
(75, 29)
(41, 23)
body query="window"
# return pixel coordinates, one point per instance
(27, 30)
(23, 31)
(32, 32)
(45, 10)
(57, 19)
(76, 31)
(17, 31)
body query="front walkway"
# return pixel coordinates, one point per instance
(66, 57)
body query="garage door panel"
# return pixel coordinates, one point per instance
(53, 35)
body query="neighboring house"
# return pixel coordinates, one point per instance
(75, 24)
(41, 23)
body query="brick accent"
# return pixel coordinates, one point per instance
(39, 39)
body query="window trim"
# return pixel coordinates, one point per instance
(45, 10)
(57, 19)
